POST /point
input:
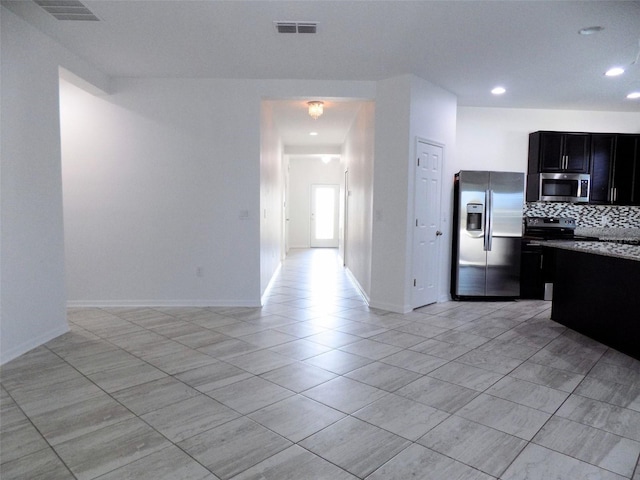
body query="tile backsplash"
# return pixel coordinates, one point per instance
(601, 216)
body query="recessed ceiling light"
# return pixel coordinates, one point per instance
(634, 95)
(590, 30)
(614, 72)
(313, 134)
(498, 90)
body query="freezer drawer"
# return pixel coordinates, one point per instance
(503, 268)
(493, 274)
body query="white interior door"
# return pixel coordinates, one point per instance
(324, 215)
(427, 234)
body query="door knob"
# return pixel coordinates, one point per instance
(438, 233)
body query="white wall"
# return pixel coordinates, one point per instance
(165, 179)
(407, 108)
(433, 118)
(161, 207)
(32, 287)
(271, 197)
(498, 138)
(358, 159)
(304, 172)
(390, 194)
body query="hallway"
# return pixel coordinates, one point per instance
(316, 385)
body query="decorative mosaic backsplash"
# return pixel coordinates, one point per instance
(611, 216)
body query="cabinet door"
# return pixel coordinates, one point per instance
(576, 151)
(564, 152)
(626, 171)
(602, 148)
(531, 279)
(551, 153)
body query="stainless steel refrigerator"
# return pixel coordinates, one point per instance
(487, 233)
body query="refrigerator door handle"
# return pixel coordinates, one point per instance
(489, 220)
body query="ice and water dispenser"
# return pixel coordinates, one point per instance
(474, 217)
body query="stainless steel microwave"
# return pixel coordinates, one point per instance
(559, 187)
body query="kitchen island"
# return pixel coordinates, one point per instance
(596, 291)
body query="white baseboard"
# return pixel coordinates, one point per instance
(391, 307)
(17, 350)
(445, 297)
(273, 279)
(354, 280)
(165, 303)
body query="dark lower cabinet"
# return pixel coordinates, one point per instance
(536, 269)
(597, 296)
(531, 280)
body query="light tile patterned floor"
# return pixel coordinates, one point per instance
(316, 385)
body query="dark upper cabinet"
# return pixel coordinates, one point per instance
(602, 156)
(612, 160)
(626, 171)
(559, 152)
(615, 169)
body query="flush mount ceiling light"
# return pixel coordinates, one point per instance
(313, 134)
(498, 90)
(633, 96)
(590, 30)
(316, 109)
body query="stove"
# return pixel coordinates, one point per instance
(536, 274)
(551, 228)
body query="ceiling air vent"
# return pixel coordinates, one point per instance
(307, 27)
(67, 10)
(296, 27)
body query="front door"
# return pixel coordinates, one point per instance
(427, 234)
(324, 215)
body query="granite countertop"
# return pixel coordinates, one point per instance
(605, 233)
(618, 250)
